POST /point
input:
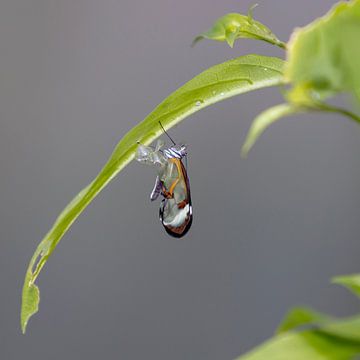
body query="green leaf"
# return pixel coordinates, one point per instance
(271, 115)
(335, 340)
(30, 297)
(235, 26)
(299, 317)
(323, 56)
(265, 119)
(352, 282)
(234, 77)
(306, 345)
(348, 329)
(327, 338)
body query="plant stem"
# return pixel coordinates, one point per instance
(335, 109)
(282, 45)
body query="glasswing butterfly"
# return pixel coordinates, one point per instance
(172, 183)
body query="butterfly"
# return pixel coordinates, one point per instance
(172, 184)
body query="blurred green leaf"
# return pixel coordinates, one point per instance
(352, 282)
(307, 345)
(348, 329)
(234, 26)
(323, 338)
(271, 115)
(234, 77)
(299, 317)
(323, 56)
(322, 61)
(265, 119)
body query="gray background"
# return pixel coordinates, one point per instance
(269, 232)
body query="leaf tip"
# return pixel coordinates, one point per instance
(230, 43)
(340, 280)
(231, 35)
(351, 282)
(30, 301)
(245, 150)
(335, 280)
(196, 40)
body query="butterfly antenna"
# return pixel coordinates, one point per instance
(165, 132)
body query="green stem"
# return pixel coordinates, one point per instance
(282, 45)
(334, 109)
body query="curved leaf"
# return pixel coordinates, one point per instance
(306, 345)
(348, 329)
(352, 282)
(269, 116)
(299, 317)
(332, 340)
(265, 119)
(235, 26)
(328, 338)
(222, 81)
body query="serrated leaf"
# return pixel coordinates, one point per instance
(299, 317)
(352, 282)
(234, 26)
(264, 120)
(323, 56)
(234, 77)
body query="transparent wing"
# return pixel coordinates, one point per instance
(156, 190)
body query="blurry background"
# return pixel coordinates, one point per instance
(269, 232)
